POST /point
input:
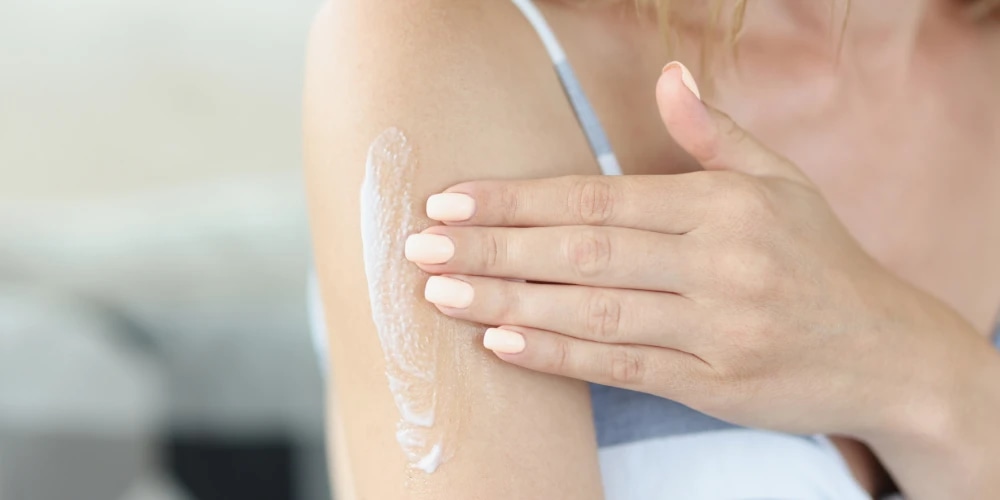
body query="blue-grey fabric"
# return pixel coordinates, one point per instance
(585, 114)
(623, 416)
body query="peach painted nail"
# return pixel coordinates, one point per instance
(450, 207)
(503, 341)
(686, 78)
(429, 248)
(449, 292)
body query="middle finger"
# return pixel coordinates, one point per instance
(611, 257)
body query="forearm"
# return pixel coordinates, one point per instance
(945, 443)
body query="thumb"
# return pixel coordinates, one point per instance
(712, 137)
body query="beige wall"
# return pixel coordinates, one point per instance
(110, 96)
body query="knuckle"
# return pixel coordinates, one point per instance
(627, 367)
(747, 199)
(708, 182)
(730, 130)
(588, 252)
(751, 201)
(603, 316)
(749, 273)
(593, 200)
(559, 362)
(494, 250)
(727, 132)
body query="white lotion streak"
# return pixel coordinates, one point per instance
(419, 359)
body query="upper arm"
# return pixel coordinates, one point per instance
(470, 93)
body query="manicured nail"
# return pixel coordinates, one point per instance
(451, 207)
(429, 248)
(449, 292)
(503, 341)
(686, 78)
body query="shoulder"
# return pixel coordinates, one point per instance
(417, 56)
(468, 81)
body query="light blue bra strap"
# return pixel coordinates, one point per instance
(571, 85)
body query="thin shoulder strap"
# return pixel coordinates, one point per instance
(585, 114)
(996, 333)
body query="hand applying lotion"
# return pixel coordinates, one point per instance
(734, 290)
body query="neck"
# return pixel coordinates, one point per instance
(852, 25)
(874, 39)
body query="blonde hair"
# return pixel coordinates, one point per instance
(667, 10)
(725, 21)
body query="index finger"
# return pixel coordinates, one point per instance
(672, 204)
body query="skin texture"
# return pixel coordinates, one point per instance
(742, 300)
(424, 370)
(898, 138)
(515, 434)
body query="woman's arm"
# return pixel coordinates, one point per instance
(735, 291)
(944, 440)
(401, 100)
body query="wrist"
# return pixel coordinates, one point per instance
(937, 438)
(928, 356)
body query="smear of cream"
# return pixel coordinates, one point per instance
(408, 328)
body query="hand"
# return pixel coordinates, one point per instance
(733, 290)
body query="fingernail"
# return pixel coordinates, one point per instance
(449, 292)
(503, 341)
(450, 207)
(686, 78)
(429, 248)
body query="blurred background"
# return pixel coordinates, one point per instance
(153, 253)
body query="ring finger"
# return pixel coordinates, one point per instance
(611, 316)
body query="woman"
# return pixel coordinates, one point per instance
(821, 264)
